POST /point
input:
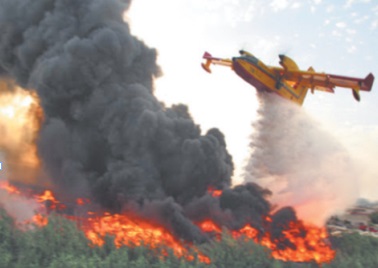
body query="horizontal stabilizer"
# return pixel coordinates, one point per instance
(206, 66)
(356, 94)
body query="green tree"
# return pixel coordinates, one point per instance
(374, 217)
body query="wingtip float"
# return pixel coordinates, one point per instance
(287, 81)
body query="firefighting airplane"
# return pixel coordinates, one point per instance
(288, 82)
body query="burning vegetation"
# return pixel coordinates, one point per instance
(118, 162)
(295, 242)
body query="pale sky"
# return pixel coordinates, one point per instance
(337, 37)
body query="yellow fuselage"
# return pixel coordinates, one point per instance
(262, 78)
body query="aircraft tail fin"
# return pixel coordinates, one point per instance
(367, 83)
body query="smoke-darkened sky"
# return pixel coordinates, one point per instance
(104, 134)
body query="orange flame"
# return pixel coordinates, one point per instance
(48, 198)
(40, 220)
(9, 188)
(214, 192)
(82, 201)
(247, 231)
(128, 231)
(309, 247)
(131, 230)
(20, 120)
(209, 226)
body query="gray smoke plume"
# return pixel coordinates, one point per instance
(303, 165)
(105, 134)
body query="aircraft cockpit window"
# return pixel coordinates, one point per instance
(251, 59)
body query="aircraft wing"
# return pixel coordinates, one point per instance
(327, 82)
(212, 60)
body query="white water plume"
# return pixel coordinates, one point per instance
(301, 163)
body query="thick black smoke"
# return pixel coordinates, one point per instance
(105, 134)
